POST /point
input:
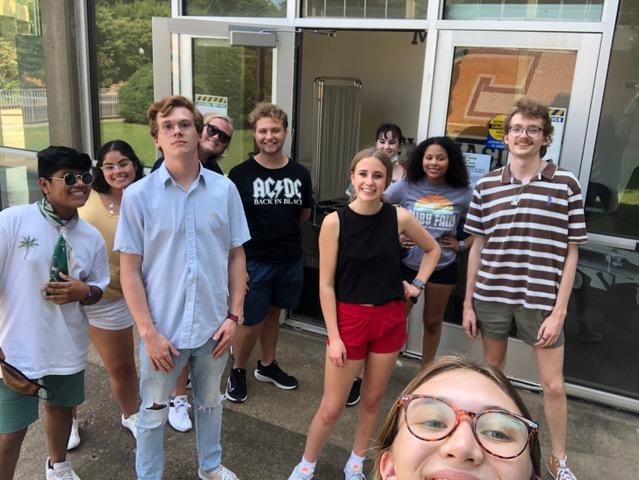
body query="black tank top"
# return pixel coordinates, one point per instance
(369, 257)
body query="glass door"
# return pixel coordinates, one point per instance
(225, 68)
(478, 77)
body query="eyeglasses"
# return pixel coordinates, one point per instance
(168, 127)
(19, 382)
(121, 165)
(531, 131)
(212, 130)
(499, 432)
(71, 178)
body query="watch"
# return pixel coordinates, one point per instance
(419, 284)
(239, 319)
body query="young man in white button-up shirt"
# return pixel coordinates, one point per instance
(183, 274)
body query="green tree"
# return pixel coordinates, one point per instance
(137, 95)
(124, 36)
(9, 62)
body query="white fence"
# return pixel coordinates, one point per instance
(33, 103)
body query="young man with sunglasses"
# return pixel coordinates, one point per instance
(183, 275)
(277, 194)
(528, 220)
(214, 141)
(51, 263)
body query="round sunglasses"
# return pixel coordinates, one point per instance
(71, 178)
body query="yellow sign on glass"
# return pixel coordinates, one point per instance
(495, 137)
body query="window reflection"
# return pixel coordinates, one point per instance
(23, 96)
(487, 81)
(124, 70)
(612, 202)
(248, 8)
(575, 10)
(408, 9)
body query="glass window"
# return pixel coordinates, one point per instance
(485, 84)
(23, 96)
(124, 70)
(231, 80)
(572, 10)
(409, 9)
(612, 202)
(235, 8)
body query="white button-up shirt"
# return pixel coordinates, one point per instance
(184, 238)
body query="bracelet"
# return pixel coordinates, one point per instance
(461, 245)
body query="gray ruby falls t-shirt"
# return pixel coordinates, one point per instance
(439, 208)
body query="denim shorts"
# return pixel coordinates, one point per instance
(18, 411)
(272, 285)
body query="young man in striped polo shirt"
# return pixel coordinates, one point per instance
(528, 220)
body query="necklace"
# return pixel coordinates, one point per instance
(111, 208)
(515, 201)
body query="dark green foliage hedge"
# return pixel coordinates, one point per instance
(137, 95)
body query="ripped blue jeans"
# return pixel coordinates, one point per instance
(155, 392)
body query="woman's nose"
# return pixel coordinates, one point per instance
(462, 446)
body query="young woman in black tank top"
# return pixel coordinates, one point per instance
(363, 303)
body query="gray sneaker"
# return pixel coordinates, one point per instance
(220, 473)
(301, 473)
(354, 474)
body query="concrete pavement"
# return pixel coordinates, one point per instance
(264, 438)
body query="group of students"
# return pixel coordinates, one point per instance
(200, 262)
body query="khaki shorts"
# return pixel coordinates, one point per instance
(18, 411)
(496, 319)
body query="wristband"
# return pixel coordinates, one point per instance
(89, 294)
(462, 246)
(239, 319)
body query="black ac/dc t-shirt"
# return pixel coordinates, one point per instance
(273, 200)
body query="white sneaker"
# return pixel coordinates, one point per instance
(220, 473)
(74, 438)
(179, 414)
(130, 424)
(59, 471)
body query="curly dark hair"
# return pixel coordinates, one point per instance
(99, 183)
(457, 173)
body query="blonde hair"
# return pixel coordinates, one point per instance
(212, 116)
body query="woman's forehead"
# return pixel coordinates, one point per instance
(468, 390)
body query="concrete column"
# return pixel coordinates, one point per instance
(61, 72)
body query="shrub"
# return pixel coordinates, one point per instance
(137, 95)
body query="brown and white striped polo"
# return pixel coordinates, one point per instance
(527, 228)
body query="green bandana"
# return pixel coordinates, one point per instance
(60, 258)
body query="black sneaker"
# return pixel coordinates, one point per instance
(354, 396)
(274, 374)
(236, 385)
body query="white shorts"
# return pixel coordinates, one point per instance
(109, 314)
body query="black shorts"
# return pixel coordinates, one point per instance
(445, 276)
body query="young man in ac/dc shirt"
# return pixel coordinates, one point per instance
(276, 193)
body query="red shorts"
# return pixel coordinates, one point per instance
(377, 329)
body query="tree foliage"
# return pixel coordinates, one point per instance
(233, 72)
(137, 95)
(9, 62)
(124, 36)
